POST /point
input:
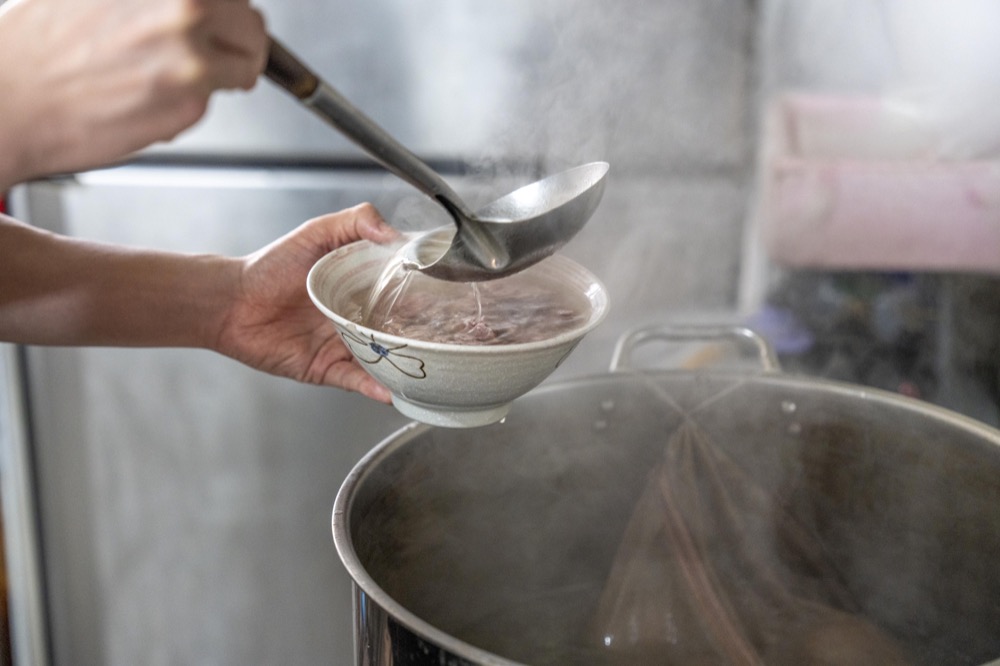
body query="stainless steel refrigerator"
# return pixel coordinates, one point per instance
(172, 506)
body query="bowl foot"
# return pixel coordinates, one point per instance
(450, 417)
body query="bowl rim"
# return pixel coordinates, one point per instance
(601, 303)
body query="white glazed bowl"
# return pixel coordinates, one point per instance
(444, 384)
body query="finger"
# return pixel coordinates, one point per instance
(370, 225)
(328, 232)
(236, 27)
(163, 123)
(235, 39)
(372, 389)
(351, 377)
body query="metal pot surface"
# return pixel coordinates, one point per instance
(493, 545)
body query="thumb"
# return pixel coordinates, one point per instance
(370, 225)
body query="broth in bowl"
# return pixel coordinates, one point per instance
(526, 307)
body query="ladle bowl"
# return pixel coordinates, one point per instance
(506, 236)
(530, 224)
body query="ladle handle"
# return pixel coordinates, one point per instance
(288, 72)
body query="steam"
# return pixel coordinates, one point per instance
(630, 87)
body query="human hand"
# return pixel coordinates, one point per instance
(273, 326)
(85, 83)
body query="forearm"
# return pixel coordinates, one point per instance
(56, 290)
(13, 137)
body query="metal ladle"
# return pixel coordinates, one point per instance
(504, 237)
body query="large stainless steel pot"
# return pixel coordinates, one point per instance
(491, 546)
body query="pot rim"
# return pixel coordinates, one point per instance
(345, 496)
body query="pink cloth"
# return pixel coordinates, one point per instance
(892, 214)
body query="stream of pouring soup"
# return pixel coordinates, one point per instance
(526, 307)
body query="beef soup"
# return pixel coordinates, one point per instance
(526, 307)
(456, 354)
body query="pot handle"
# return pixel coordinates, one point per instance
(742, 337)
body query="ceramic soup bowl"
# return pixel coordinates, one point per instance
(446, 383)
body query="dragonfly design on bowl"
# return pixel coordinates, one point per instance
(367, 350)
